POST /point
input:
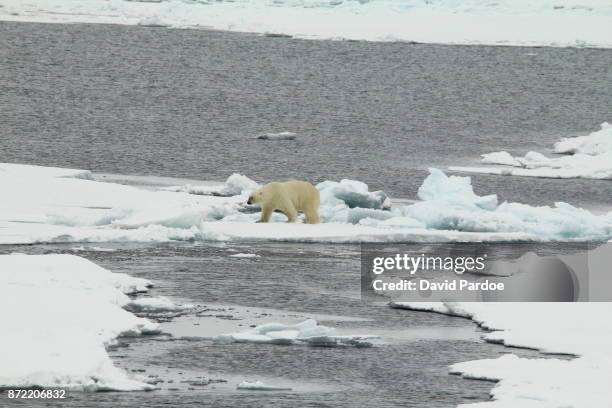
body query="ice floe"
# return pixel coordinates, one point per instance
(37, 209)
(582, 329)
(60, 313)
(542, 22)
(588, 156)
(308, 332)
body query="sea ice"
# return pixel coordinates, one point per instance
(582, 329)
(277, 136)
(241, 255)
(156, 304)
(352, 193)
(260, 386)
(307, 332)
(26, 170)
(61, 313)
(542, 22)
(587, 156)
(236, 184)
(36, 209)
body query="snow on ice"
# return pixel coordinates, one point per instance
(542, 22)
(54, 208)
(26, 170)
(581, 329)
(61, 312)
(236, 184)
(588, 156)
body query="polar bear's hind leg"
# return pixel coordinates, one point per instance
(312, 216)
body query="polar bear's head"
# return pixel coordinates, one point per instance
(255, 197)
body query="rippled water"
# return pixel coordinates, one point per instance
(409, 370)
(188, 103)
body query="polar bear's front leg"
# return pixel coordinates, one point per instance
(286, 207)
(266, 213)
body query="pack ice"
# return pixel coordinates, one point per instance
(580, 329)
(588, 156)
(542, 22)
(59, 314)
(62, 206)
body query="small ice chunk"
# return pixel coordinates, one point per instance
(308, 332)
(277, 136)
(354, 194)
(260, 386)
(454, 189)
(237, 184)
(241, 255)
(156, 304)
(504, 158)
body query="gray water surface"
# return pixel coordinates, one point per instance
(189, 103)
(410, 369)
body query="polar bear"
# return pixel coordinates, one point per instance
(289, 197)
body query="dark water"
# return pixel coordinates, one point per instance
(153, 101)
(410, 371)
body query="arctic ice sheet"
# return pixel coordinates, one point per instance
(542, 22)
(53, 208)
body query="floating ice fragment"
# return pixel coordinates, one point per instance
(277, 136)
(244, 256)
(307, 332)
(260, 386)
(587, 156)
